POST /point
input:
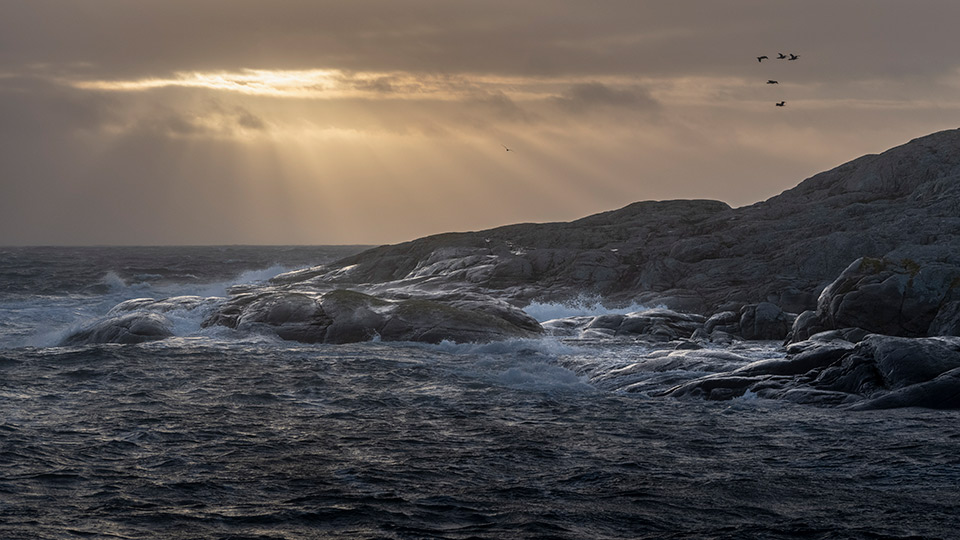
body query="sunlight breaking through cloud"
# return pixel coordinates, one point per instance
(339, 84)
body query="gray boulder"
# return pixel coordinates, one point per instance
(879, 372)
(817, 355)
(902, 362)
(725, 321)
(660, 324)
(433, 321)
(947, 321)
(291, 315)
(764, 321)
(126, 328)
(942, 392)
(354, 316)
(805, 325)
(897, 298)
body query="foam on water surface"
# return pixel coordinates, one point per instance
(583, 306)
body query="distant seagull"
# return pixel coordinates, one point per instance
(762, 58)
(781, 104)
(505, 147)
(793, 57)
(771, 81)
(781, 56)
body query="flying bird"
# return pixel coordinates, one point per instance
(793, 57)
(505, 147)
(781, 104)
(762, 58)
(771, 81)
(781, 56)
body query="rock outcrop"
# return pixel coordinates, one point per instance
(651, 324)
(137, 321)
(128, 328)
(896, 298)
(878, 372)
(700, 256)
(344, 316)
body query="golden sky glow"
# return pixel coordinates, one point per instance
(375, 121)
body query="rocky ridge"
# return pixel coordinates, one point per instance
(696, 255)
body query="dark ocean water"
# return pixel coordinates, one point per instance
(217, 434)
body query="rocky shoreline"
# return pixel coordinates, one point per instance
(856, 270)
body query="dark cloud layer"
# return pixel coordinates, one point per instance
(585, 96)
(120, 38)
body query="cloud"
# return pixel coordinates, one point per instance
(590, 96)
(380, 85)
(248, 120)
(34, 105)
(119, 38)
(503, 108)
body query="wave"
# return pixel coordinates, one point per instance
(542, 376)
(44, 321)
(582, 306)
(247, 277)
(547, 346)
(536, 365)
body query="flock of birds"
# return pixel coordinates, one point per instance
(780, 56)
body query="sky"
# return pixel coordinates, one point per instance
(204, 122)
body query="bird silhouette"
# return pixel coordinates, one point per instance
(762, 58)
(781, 56)
(505, 147)
(793, 57)
(771, 81)
(781, 104)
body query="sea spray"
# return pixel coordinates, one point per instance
(582, 306)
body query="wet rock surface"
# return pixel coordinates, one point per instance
(128, 328)
(345, 316)
(878, 372)
(652, 324)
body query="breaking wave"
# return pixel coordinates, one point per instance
(590, 306)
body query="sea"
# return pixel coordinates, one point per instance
(219, 434)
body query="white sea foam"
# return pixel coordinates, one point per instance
(249, 277)
(544, 346)
(113, 282)
(540, 376)
(44, 321)
(581, 306)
